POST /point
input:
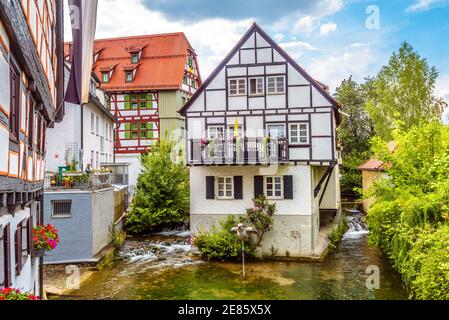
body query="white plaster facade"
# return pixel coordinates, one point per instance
(86, 134)
(27, 279)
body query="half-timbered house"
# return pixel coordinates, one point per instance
(149, 78)
(31, 55)
(260, 124)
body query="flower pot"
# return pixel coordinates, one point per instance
(37, 253)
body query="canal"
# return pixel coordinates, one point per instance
(159, 267)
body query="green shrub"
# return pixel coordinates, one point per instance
(409, 218)
(338, 232)
(162, 192)
(221, 243)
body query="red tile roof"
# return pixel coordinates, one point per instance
(161, 66)
(372, 165)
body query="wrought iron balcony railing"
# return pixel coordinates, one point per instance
(238, 151)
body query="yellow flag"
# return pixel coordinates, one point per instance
(236, 128)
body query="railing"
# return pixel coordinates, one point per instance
(77, 180)
(238, 151)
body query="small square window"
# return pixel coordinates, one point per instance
(299, 133)
(276, 85)
(237, 87)
(216, 132)
(61, 208)
(225, 186)
(274, 187)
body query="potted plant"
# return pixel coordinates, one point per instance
(45, 238)
(14, 294)
(67, 182)
(203, 143)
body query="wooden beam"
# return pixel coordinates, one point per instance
(24, 50)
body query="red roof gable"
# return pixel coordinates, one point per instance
(160, 67)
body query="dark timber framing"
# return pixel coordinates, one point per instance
(26, 53)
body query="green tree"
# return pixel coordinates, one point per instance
(354, 132)
(162, 192)
(403, 90)
(409, 218)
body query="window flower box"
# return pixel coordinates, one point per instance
(45, 238)
(14, 294)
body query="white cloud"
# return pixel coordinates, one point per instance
(327, 28)
(305, 25)
(296, 48)
(358, 45)
(442, 90)
(211, 38)
(424, 5)
(356, 61)
(278, 37)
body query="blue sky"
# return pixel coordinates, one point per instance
(329, 38)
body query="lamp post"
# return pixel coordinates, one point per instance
(243, 233)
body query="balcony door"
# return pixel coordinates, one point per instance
(276, 131)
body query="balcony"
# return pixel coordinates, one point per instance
(236, 152)
(77, 180)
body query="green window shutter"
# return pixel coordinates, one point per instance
(150, 127)
(127, 104)
(149, 101)
(127, 133)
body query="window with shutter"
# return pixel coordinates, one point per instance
(274, 187)
(14, 116)
(18, 249)
(225, 188)
(5, 257)
(127, 102)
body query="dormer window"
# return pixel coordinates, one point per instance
(129, 76)
(105, 77)
(134, 58)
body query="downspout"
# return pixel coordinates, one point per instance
(41, 259)
(60, 61)
(82, 136)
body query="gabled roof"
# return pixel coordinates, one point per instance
(161, 66)
(372, 165)
(255, 28)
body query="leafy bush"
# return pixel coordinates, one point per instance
(409, 218)
(338, 232)
(222, 244)
(162, 192)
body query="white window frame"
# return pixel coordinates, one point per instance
(215, 127)
(238, 92)
(97, 124)
(265, 187)
(105, 77)
(277, 125)
(298, 129)
(129, 76)
(225, 189)
(257, 93)
(132, 58)
(230, 132)
(276, 91)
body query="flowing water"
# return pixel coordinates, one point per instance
(160, 267)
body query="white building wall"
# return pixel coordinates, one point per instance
(102, 218)
(299, 205)
(93, 137)
(134, 167)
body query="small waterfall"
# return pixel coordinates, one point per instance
(162, 249)
(356, 226)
